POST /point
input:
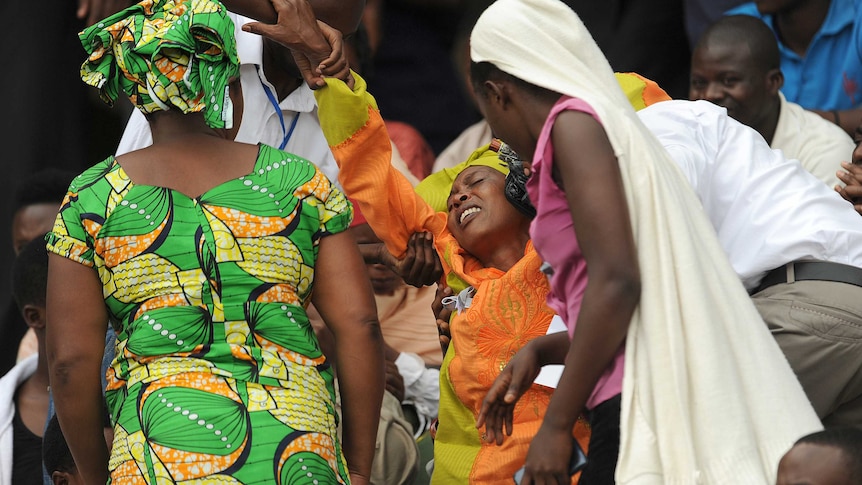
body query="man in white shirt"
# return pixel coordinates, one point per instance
(736, 65)
(795, 243)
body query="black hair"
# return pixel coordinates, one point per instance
(845, 438)
(736, 29)
(486, 71)
(30, 274)
(55, 451)
(46, 186)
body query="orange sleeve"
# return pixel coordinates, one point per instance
(361, 146)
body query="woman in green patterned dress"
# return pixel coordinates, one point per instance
(202, 253)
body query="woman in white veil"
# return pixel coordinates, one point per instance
(662, 323)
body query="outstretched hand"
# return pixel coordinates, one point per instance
(499, 403)
(317, 48)
(852, 190)
(420, 265)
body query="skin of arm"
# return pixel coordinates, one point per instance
(77, 320)
(587, 170)
(849, 119)
(340, 277)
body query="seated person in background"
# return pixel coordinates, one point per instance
(409, 330)
(24, 389)
(412, 382)
(37, 198)
(795, 245)
(736, 65)
(829, 457)
(819, 42)
(57, 458)
(56, 455)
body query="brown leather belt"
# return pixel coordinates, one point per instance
(812, 271)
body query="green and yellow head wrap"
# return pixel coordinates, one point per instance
(434, 189)
(165, 54)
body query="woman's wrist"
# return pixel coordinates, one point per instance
(549, 349)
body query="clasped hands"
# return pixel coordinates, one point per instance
(317, 48)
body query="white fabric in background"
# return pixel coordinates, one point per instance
(767, 210)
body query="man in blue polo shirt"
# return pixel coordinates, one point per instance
(821, 54)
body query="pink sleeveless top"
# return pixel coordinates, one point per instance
(554, 238)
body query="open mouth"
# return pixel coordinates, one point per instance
(468, 213)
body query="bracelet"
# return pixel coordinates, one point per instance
(837, 118)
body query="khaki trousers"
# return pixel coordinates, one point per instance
(818, 325)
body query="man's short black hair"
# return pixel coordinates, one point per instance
(845, 438)
(30, 274)
(55, 452)
(751, 31)
(46, 186)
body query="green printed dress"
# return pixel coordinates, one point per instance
(218, 376)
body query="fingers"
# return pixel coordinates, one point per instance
(849, 178)
(335, 64)
(493, 395)
(442, 315)
(309, 74)
(432, 270)
(297, 29)
(374, 253)
(437, 305)
(445, 336)
(503, 415)
(421, 265)
(853, 192)
(495, 413)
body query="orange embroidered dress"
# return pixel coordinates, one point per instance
(508, 308)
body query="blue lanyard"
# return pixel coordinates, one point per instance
(287, 133)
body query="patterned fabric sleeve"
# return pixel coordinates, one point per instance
(72, 236)
(336, 212)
